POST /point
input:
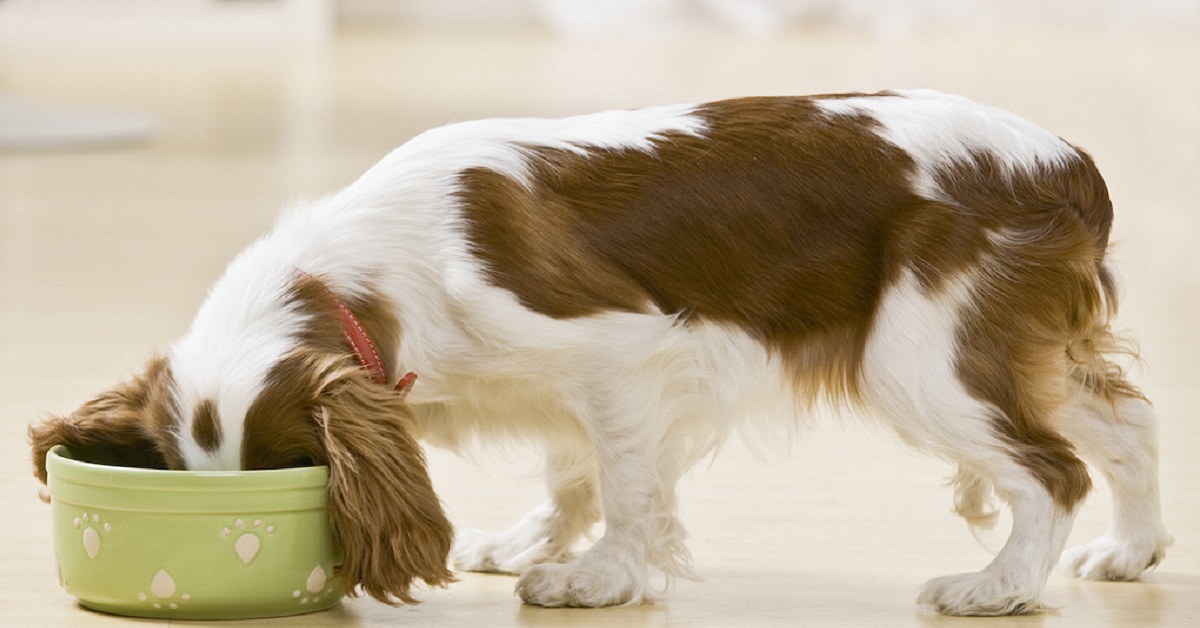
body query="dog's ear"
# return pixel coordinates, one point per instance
(128, 425)
(382, 507)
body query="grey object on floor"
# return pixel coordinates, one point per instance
(28, 126)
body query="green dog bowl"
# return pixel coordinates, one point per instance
(192, 544)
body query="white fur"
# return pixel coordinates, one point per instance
(626, 402)
(938, 129)
(1122, 442)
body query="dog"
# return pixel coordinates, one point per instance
(624, 289)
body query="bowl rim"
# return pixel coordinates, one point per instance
(61, 465)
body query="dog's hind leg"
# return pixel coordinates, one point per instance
(948, 389)
(1013, 582)
(548, 532)
(1116, 431)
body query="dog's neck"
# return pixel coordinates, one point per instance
(360, 342)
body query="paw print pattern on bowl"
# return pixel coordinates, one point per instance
(162, 587)
(315, 586)
(91, 526)
(249, 542)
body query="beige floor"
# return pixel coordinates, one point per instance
(104, 255)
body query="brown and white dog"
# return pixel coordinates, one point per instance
(625, 288)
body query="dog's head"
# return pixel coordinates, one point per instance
(315, 405)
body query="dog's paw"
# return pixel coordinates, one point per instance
(979, 594)
(1108, 558)
(577, 585)
(513, 551)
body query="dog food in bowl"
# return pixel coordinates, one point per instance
(192, 544)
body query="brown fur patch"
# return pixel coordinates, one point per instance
(382, 506)
(130, 424)
(761, 224)
(279, 429)
(206, 426)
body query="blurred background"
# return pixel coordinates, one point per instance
(143, 143)
(305, 22)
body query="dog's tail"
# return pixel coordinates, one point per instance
(1095, 356)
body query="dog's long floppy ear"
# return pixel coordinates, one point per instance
(128, 425)
(381, 502)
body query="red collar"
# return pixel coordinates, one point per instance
(364, 348)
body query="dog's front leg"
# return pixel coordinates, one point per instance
(548, 533)
(638, 470)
